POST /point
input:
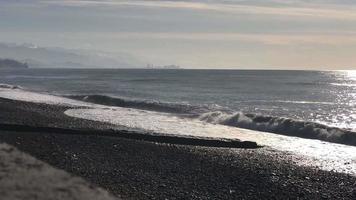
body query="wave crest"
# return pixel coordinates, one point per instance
(7, 86)
(283, 126)
(178, 108)
(219, 115)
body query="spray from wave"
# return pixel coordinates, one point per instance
(278, 125)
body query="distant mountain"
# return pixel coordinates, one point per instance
(12, 64)
(66, 58)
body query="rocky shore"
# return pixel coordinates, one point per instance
(137, 169)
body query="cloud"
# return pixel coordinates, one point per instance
(298, 8)
(193, 32)
(280, 39)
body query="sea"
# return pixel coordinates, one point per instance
(309, 113)
(325, 97)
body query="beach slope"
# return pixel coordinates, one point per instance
(139, 169)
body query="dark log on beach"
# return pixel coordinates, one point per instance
(196, 141)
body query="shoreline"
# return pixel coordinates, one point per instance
(136, 169)
(126, 134)
(106, 130)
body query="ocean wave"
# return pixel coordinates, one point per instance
(219, 115)
(344, 84)
(292, 102)
(7, 86)
(306, 102)
(283, 126)
(41, 77)
(179, 108)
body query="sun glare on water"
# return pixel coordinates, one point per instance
(351, 74)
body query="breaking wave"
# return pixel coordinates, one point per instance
(178, 108)
(7, 86)
(283, 126)
(219, 115)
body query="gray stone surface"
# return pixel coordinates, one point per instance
(24, 177)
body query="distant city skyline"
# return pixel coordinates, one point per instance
(235, 34)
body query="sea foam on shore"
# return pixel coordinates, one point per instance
(224, 116)
(328, 156)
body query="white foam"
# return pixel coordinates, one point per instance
(306, 102)
(344, 84)
(14, 93)
(328, 156)
(7, 86)
(283, 126)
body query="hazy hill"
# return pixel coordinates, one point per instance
(10, 64)
(66, 58)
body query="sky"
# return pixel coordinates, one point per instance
(239, 34)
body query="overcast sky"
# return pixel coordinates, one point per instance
(283, 34)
